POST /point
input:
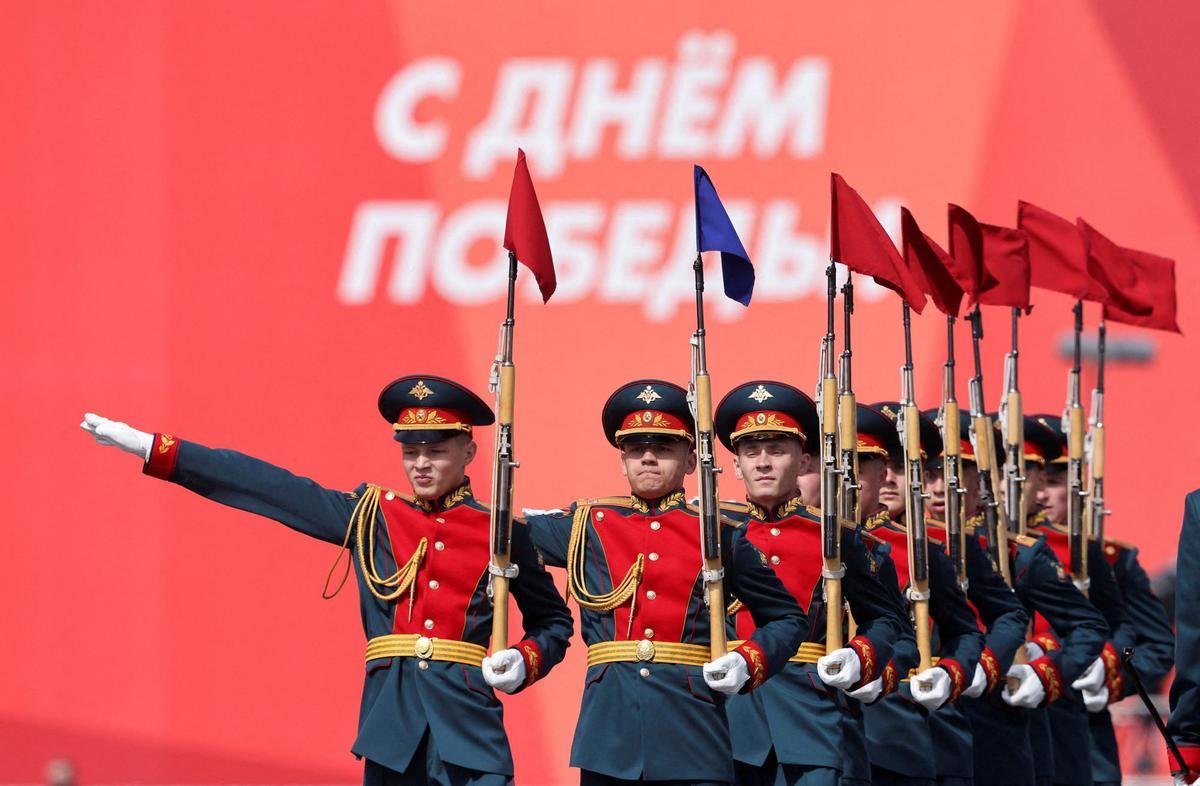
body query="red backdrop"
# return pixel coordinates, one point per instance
(236, 222)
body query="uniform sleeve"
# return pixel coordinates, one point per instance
(1000, 610)
(1184, 724)
(550, 532)
(877, 607)
(957, 629)
(780, 623)
(1105, 595)
(904, 649)
(1154, 641)
(249, 484)
(1044, 586)
(545, 616)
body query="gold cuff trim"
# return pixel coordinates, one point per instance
(410, 645)
(649, 652)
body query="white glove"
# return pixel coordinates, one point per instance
(840, 668)
(120, 435)
(1092, 678)
(1034, 650)
(1096, 700)
(504, 671)
(978, 683)
(1030, 693)
(931, 688)
(1181, 779)
(869, 692)
(727, 673)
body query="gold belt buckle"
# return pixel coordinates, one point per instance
(423, 647)
(645, 650)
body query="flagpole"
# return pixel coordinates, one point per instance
(909, 426)
(1012, 422)
(832, 569)
(1094, 522)
(502, 382)
(700, 398)
(950, 424)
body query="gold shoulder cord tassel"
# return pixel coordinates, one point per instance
(362, 524)
(577, 565)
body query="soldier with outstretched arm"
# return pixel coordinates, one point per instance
(653, 707)
(789, 730)
(429, 714)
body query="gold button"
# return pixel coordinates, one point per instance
(433, 584)
(774, 530)
(649, 632)
(655, 525)
(651, 595)
(428, 624)
(440, 520)
(644, 671)
(653, 556)
(439, 546)
(422, 665)
(775, 560)
(390, 495)
(599, 515)
(423, 647)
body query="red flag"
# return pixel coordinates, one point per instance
(999, 255)
(1058, 258)
(1156, 280)
(1116, 269)
(930, 265)
(966, 252)
(860, 243)
(525, 231)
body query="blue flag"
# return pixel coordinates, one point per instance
(715, 232)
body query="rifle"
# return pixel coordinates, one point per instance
(948, 421)
(1012, 424)
(982, 442)
(909, 425)
(831, 541)
(847, 414)
(700, 402)
(1094, 449)
(1072, 424)
(502, 382)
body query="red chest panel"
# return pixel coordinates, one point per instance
(899, 543)
(670, 542)
(455, 561)
(792, 547)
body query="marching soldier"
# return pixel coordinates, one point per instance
(429, 714)
(1004, 729)
(653, 701)
(905, 715)
(1143, 623)
(1101, 681)
(1184, 723)
(788, 731)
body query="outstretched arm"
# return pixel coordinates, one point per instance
(233, 479)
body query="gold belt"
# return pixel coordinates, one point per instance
(649, 651)
(809, 651)
(410, 645)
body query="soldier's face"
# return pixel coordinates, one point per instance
(1034, 475)
(871, 473)
(891, 492)
(809, 481)
(1053, 496)
(935, 487)
(969, 483)
(658, 468)
(438, 468)
(770, 468)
